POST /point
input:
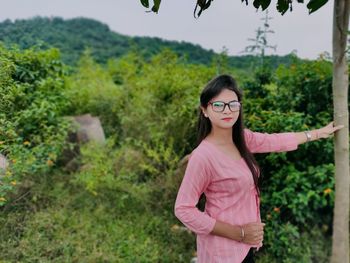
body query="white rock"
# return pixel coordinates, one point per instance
(90, 128)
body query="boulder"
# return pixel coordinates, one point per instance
(89, 128)
(85, 128)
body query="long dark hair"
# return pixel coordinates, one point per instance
(212, 89)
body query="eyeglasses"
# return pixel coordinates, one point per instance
(219, 106)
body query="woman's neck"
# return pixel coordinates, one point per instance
(220, 136)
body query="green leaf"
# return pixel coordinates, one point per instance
(314, 5)
(202, 4)
(263, 3)
(282, 6)
(145, 3)
(156, 5)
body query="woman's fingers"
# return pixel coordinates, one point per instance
(338, 127)
(258, 237)
(254, 233)
(329, 130)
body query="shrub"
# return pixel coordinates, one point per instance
(32, 132)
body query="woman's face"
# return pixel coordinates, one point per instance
(226, 118)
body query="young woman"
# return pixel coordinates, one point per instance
(223, 167)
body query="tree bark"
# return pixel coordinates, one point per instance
(340, 240)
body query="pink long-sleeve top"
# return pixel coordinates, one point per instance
(230, 193)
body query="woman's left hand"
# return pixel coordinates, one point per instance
(328, 131)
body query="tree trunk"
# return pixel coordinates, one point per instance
(340, 245)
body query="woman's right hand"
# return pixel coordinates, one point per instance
(253, 233)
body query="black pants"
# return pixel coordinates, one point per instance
(250, 257)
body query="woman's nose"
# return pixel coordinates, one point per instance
(226, 109)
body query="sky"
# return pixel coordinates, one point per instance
(227, 24)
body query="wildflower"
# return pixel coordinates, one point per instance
(268, 216)
(26, 143)
(49, 162)
(327, 191)
(13, 183)
(14, 161)
(277, 209)
(8, 173)
(2, 142)
(2, 199)
(324, 228)
(174, 227)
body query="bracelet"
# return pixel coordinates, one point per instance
(242, 234)
(308, 136)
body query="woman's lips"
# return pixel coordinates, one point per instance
(227, 119)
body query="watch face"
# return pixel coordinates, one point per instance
(308, 135)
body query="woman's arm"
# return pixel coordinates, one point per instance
(252, 233)
(196, 179)
(194, 183)
(317, 134)
(258, 142)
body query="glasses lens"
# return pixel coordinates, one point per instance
(235, 105)
(218, 106)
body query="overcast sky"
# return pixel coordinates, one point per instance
(227, 23)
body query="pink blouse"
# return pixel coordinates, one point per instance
(230, 193)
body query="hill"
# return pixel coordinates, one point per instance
(73, 36)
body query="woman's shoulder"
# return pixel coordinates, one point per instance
(202, 151)
(200, 157)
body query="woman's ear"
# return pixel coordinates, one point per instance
(204, 111)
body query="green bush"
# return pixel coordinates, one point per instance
(313, 245)
(295, 194)
(91, 90)
(32, 131)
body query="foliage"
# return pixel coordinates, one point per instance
(281, 6)
(160, 98)
(97, 93)
(155, 6)
(293, 246)
(32, 132)
(295, 195)
(308, 84)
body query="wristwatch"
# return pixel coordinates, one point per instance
(308, 136)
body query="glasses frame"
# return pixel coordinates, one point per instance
(228, 104)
